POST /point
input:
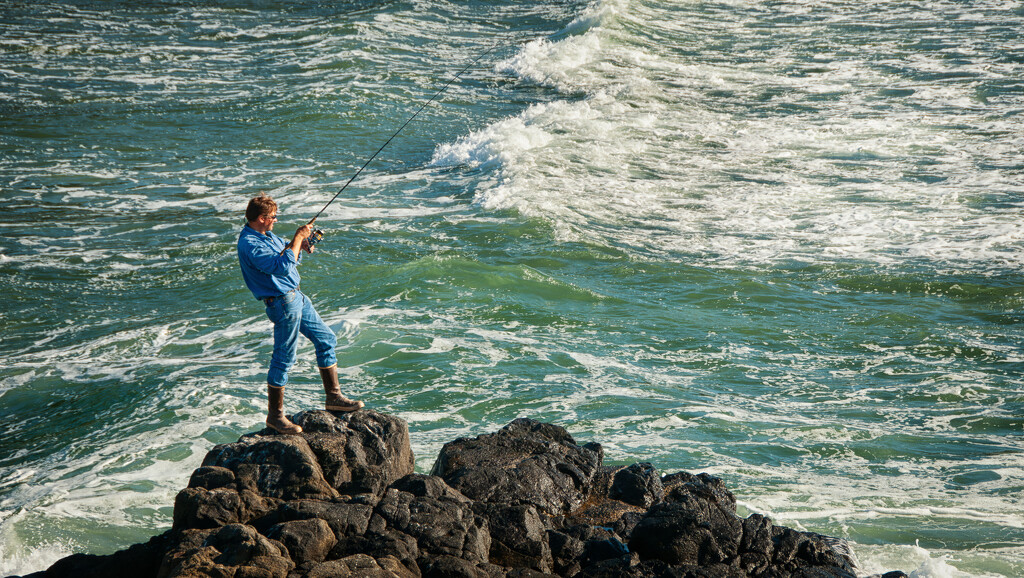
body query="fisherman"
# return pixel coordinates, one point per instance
(270, 269)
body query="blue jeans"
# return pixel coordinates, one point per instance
(293, 314)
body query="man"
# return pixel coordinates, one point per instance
(269, 267)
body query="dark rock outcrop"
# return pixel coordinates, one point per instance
(527, 501)
(523, 463)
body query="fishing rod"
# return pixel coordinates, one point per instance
(318, 235)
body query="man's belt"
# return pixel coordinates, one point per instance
(269, 300)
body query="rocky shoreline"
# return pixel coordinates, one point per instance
(527, 501)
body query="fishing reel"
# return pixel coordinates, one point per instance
(315, 237)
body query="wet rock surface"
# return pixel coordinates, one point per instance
(341, 499)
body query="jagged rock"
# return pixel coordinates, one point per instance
(452, 567)
(274, 466)
(523, 463)
(808, 554)
(626, 523)
(307, 540)
(361, 566)
(602, 508)
(380, 544)
(681, 534)
(577, 547)
(343, 518)
(429, 487)
(202, 508)
(359, 452)
(638, 485)
(630, 566)
(695, 525)
(518, 536)
(441, 526)
(526, 573)
(566, 552)
(233, 550)
(212, 477)
(599, 549)
(756, 548)
(684, 487)
(340, 499)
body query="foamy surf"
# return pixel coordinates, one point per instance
(601, 159)
(777, 243)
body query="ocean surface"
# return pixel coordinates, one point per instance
(780, 242)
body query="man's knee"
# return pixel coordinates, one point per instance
(325, 341)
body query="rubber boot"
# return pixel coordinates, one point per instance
(336, 401)
(275, 412)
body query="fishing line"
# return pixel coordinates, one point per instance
(318, 235)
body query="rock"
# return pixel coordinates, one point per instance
(626, 523)
(307, 540)
(810, 555)
(212, 477)
(429, 487)
(566, 552)
(612, 495)
(379, 545)
(756, 548)
(441, 526)
(695, 525)
(202, 508)
(600, 549)
(527, 573)
(684, 487)
(580, 546)
(361, 566)
(452, 567)
(359, 452)
(232, 550)
(638, 485)
(341, 499)
(524, 463)
(518, 536)
(630, 566)
(684, 534)
(275, 466)
(343, 518)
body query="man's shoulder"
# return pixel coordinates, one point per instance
(249, 239)
(251, 242)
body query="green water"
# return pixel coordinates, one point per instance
(780, 243)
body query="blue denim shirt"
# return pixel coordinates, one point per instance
(266, 271)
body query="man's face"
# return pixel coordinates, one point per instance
(269, 220)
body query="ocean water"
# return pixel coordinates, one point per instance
(780, 242)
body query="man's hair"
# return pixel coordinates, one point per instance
(259, 206)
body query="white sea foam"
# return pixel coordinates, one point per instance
(115, 483)
(17, 558)
(919, 562)
(600, 159)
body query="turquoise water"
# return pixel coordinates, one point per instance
(778, 242)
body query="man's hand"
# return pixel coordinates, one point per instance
(303, 232)
(299, 241)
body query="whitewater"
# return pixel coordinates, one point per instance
(779, 242)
